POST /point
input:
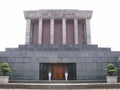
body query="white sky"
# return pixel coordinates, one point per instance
(105, 22)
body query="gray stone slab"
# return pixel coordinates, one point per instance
(90, 60)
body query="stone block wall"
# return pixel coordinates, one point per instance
(90, 60)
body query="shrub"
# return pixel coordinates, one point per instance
(111, 69)
(118, 59)
(5, 68)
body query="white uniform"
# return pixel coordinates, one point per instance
(66, 76)
(49, 76)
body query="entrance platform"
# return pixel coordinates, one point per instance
(58, 85)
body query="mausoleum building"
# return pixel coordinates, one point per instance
(58, 44)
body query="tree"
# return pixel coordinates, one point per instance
(118, 59)
(5, 68)
(111, 69)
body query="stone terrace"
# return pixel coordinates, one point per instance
(59, 86)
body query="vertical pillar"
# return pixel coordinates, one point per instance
(76, 31)
(64, 31)
(88, 35)
(40, 32)
(28, 29)
(52, 31)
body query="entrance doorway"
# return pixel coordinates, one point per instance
(58, 71)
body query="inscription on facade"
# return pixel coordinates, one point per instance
(58, 13)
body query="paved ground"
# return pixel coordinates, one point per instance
(59, 89)
(59, 86)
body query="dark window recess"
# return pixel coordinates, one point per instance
(56, 68)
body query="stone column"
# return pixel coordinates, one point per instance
(76, 31)
(88, 34)
(40, 32)
(64, 31)
(52, 31)
(28, 29)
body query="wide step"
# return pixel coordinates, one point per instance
(59, 86)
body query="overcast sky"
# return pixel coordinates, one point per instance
(105, 21)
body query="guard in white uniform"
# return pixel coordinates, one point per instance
(49, 76)
(66, 76)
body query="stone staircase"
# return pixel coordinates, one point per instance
(58, 85)
(82, 47)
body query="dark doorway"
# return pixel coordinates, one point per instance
(58, 71)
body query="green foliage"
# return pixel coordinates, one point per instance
(118, 59)
(5, 68)
(111, 69)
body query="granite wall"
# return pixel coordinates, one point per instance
(90, 60)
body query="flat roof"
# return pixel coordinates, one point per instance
(58, 13)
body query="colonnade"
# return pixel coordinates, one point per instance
(87, 36)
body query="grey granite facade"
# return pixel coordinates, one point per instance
(53, 14)
(90, 60)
